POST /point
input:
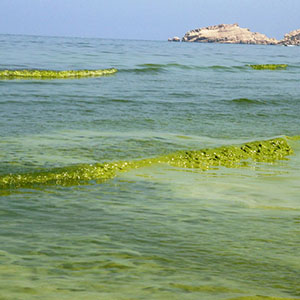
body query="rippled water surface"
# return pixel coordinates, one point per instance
(159, 231)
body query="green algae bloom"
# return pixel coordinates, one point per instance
(52, 74)
(261, 298)
(232, 156)
(269, 67)
(204, 288)
(228, 156)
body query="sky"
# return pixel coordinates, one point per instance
(144, 19)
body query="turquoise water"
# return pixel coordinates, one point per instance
(158, 231)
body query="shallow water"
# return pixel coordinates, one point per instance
(158, 231)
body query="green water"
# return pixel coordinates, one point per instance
(224, 228)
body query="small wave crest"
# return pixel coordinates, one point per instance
(167, 65)
(219, 67)
(146, 69)
(246, 101)
(228, 156)
(160, 68)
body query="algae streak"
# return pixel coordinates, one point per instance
(269, 67)
(261, 298)
(228, 156)
(232, 156)
(51, 74)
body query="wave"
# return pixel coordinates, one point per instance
(170, 65)
(155, 69)
(191, 67)
(160, 68)
(53, 74)
(228, 156)
(226, 68)
(246, 101)
(147, 68)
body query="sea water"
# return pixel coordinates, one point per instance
(159, 231)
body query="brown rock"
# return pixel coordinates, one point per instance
(174, 39)
(292, 38)
(227, 34)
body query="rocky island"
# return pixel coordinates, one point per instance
(234, 34)
(174, 39)
(292, 38)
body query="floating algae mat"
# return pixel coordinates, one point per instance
(228, 156)
(269, 67)
(261, 298)
(52, 74)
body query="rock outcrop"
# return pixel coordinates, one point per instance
(227, 34)
(292, 38)
(234, 34)
(174, 39)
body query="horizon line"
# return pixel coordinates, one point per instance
(81, 37)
